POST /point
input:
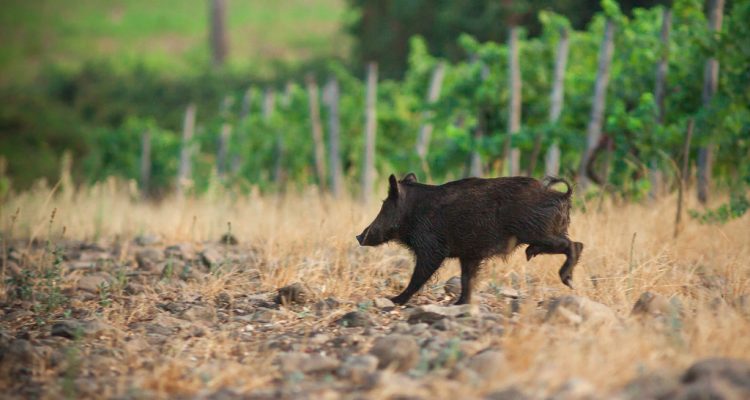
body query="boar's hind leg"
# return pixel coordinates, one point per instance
(469, 269)
(573, 252)
(425, 268)
(558, 245)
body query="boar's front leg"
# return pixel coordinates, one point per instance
(469, 269)
(423, 270)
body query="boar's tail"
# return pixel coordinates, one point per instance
(550, 180)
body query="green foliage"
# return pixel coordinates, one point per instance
(735, 208)
(105, 299)
(101, 111)
(40, 286)
(117, 152)
(21, 285)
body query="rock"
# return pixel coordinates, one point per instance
(397, 351)
(229, 239)
(148, 258)
(383, 303)
(709, 389)
(507, 292)
(487, 364)
(452, 286)
(18, 315)
(92, 283)
(295, 293)
(425, 317)
(223, 300)
(95, 256)
(432, 313)
(320, 338)
(400, 327)
(328, 304)
(445, 325)
(163, 323)
(392, 385)
(735, 371)
(174, 307)
(653, 304)
(510, 393)
(79, 265)
(306, 363)
(147, 240)
(18, 351)
(577, 310)
(73, 329)
(183, 251)
(211, 257)
(133, 288)
(199, 313)
(354, 319)
(650, 386)
(575, 389)
(418, 329)
(358, 367)
(18, 356)
(266, 315)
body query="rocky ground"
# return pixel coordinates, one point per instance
(146, 319)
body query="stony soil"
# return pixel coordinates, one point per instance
(143, 318)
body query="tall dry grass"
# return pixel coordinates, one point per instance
(629, 249)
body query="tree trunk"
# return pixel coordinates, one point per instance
(425, 131)
(317, 131)
(267, 109)
(368, 165)
(552, 161)
(682, 183)
(145, 163)
(247, 102)
(218, 35)
(475, 167)
(710, 83)
(657, 178)
(334, 127)
(224, 137)
(512, 155)
(594, 130)
(269, 104)
(238, 156)
(184, 173)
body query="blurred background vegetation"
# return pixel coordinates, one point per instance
(89, 78)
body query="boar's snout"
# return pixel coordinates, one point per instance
(366, 238)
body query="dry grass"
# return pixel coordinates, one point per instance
(308, 238)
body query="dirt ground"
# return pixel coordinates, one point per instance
(262, 297)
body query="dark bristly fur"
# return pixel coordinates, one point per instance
(473, 219)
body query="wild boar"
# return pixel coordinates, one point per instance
(473, 219)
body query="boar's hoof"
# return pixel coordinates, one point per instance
(398, 300)
(567, 279)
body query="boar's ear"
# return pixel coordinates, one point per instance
(393, 187)
(410, 177)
